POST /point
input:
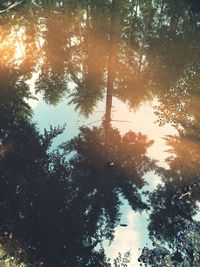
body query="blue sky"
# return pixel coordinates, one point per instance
(135, 235)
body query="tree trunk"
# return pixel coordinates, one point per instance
(114, 34)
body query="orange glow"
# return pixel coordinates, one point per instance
(5, 149)
(7, 48)
(11, 46)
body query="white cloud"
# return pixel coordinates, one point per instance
(128, 239)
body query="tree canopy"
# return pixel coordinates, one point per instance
(60, 204)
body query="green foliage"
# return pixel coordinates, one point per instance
(109, 169)
(133, 50)
(122, 261)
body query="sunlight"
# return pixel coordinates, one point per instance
(12, 46)
(99, 138)
(144, 120)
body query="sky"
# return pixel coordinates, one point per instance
(143, 120)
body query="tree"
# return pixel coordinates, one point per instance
(102, 171)
(184, 253)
